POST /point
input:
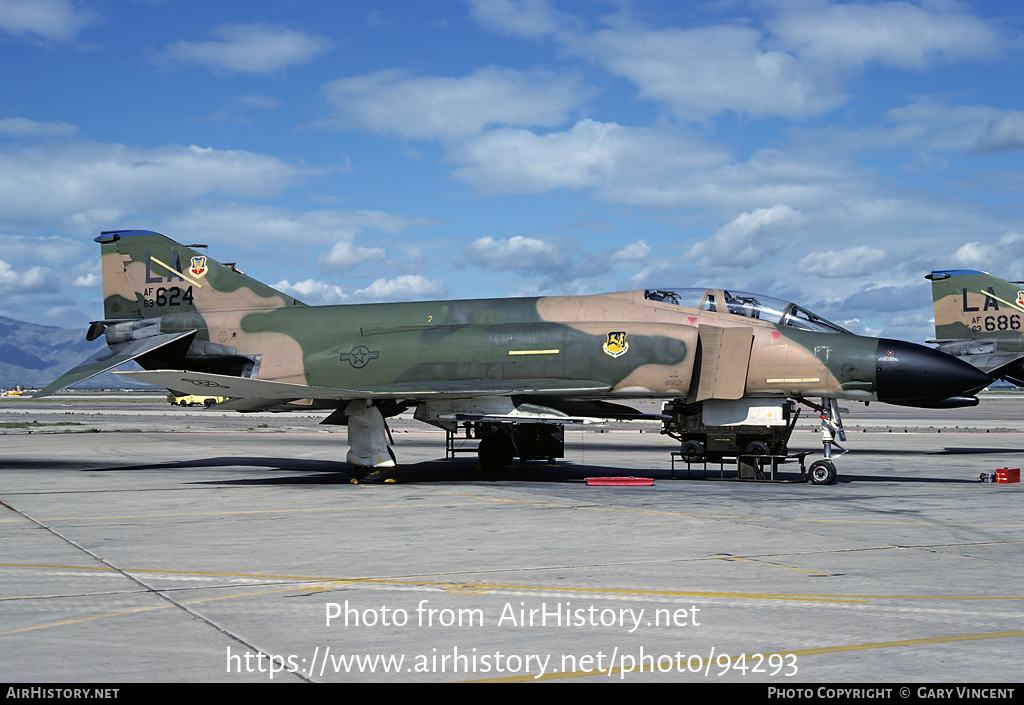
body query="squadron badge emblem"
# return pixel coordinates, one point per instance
(616, 344)
(198, 268)
(1020, 298)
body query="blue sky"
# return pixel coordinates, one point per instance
(830, 153)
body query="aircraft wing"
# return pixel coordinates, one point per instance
(986, 356)
(246, 394)
(108, 358)
(549, 418)
(1010, 367)
(567, 413)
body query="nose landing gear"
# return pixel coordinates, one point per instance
(823, 472)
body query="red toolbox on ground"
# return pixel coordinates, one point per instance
(1008, 475)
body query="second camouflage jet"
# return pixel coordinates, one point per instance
(516, 367)
(980, 319)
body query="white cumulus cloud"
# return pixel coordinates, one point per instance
(530, 19)
(896, 34)
(248, 48)
(1004, 134)
(992, 256)
(87, 185)
(441, 107)
(23, 127)
(49, 20)
(747, 240)
(519, 253)
(407, 287)
(346, 254)
(13, 279)
(851, 262)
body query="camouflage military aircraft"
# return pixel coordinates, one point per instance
(516, 366)
(980, 319)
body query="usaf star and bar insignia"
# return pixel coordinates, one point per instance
(359, 356)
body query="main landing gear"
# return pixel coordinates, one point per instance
(369, 442)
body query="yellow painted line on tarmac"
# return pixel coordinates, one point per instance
(409, 581)
(691, 665)
(165, 605)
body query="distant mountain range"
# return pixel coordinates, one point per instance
(32, 355)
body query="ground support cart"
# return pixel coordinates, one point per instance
(752, 468)
(498, 444)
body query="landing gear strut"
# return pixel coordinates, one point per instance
(823, 472)
(369, 442)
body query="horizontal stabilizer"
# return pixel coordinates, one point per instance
(183, 383)
(274, 393)
(1011, 370)
(109, 358)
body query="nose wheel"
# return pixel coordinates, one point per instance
(822, 472)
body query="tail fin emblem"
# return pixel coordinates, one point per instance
(198, 268)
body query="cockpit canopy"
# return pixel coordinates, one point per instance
(739, 303)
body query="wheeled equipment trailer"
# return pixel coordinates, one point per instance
(754, 432)
(498, 444)
(715, 429)
(750, 468)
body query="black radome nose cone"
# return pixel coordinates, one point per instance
(907, 373)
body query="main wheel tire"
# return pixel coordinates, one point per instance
(376, 475)
(757, 448)
(822, 472)
(692, 450)
(496, 451)
(751, 455)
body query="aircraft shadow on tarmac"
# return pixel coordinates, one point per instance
(325, 472)
(437, 471)
(336, 472)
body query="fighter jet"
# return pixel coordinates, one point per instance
(515, 368)
(980, 319)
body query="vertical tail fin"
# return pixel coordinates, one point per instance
(970, 304)
(146, 275)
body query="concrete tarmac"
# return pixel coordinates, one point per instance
(143, 543)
